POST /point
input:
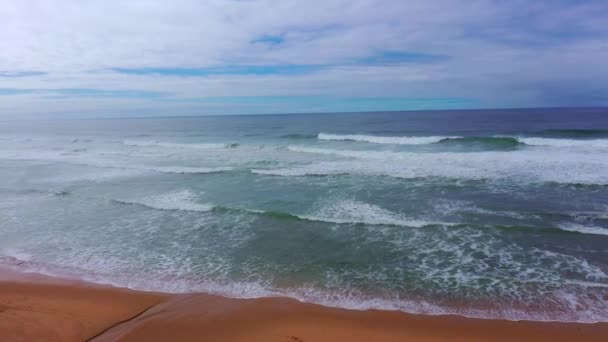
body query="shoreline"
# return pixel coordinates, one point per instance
(463, 308)
(35, 306)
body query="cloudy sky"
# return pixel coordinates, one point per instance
(64, 58)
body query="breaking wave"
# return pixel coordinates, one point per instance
(381, 139)
(583, 229)
(489, 142)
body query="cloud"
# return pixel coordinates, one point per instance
(490, 53)
(223, 70)
(21, 73)
(81, 92)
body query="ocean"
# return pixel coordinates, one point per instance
(486, 213)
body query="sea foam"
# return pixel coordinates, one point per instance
(524, 165)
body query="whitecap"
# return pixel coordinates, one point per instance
(579, 228)
(406, 140)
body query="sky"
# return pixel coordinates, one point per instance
(73, 58)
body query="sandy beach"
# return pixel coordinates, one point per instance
(35, 307)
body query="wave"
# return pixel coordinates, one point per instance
(175, 145)
(378, 217)
(528, 166)
(579, 228)
(342, 212)
(382, 140)
(489, 142)
(346, 297)
(343, 153)
(350, 211)
(183, 200)
(485, 143)
(298, 136)
(320, 169)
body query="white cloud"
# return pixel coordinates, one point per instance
(499, 52)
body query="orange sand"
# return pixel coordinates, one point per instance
(38, 308)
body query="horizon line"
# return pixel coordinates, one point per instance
(313, 113)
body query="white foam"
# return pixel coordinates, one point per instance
(406, 140)
(418, 140)
(595, 143)
(451, 207)
(350, 211)
(557, 166)
(579, 228)
(440, 262)
(172, 145)
(180, 200)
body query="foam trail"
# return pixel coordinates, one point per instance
(382, 140)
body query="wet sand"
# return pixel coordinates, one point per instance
(39, 308)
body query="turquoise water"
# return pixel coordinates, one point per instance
(480, 213)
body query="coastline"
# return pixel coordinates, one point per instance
(34, 307)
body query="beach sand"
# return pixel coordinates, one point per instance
(39, 308)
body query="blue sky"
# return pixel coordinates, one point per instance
(162, 58)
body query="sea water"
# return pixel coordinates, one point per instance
(495, 214)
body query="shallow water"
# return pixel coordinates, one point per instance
(480, 213)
